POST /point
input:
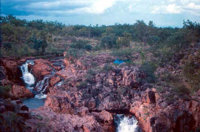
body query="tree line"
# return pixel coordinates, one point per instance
(35, 37)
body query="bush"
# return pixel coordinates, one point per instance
(191, 71)
(180, 89)
(123, 54)
(108, 41)
(81, 45)
(107, 68)
(149, 68)
(74, 53)
(122, 42)
(90, 76)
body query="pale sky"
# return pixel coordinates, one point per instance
(105, 12)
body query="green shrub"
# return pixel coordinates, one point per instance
(180, 89)
(81, 45)
(191, 71)
(123, 42)
(90, 76)
(107, 68)
(74, 53)
(149, 68)
(108, 41)
(123, 54)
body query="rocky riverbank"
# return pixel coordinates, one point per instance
(94, 90)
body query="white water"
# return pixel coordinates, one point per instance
(39, 88)
(28, 78)
(42, 85)
(126, 124)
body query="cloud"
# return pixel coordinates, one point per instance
(178, 7)
(104, 11)
(167, 9)
(97, 7)
(75, 6)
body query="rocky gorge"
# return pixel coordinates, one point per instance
(87, 95)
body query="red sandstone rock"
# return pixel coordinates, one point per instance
(85, 129)
(13, 72)
(18, 91)
(62, 122)
(54, 80)
(41, 68)
(69, 108)
(58, 104)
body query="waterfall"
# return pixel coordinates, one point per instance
(42, 85)
(28, 78)
(40, 88)
(126, 124)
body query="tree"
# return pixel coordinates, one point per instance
(108, 41)
(39, 42)
(140, 31)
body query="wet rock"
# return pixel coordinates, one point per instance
(54, 80)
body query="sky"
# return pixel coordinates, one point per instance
(105, 12)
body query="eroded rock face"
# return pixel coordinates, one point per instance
(88, 104)
(119, 90)
(12, 70)
(63, 122)
(159, 116)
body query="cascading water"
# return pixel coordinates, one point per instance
(42, 85)
(38, 90)
(126, 124)
(28, 78)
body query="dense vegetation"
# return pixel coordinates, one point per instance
(35, 38)
(21, 37)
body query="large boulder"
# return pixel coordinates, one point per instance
(59, 105)
(41, 68)
(18, 91)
